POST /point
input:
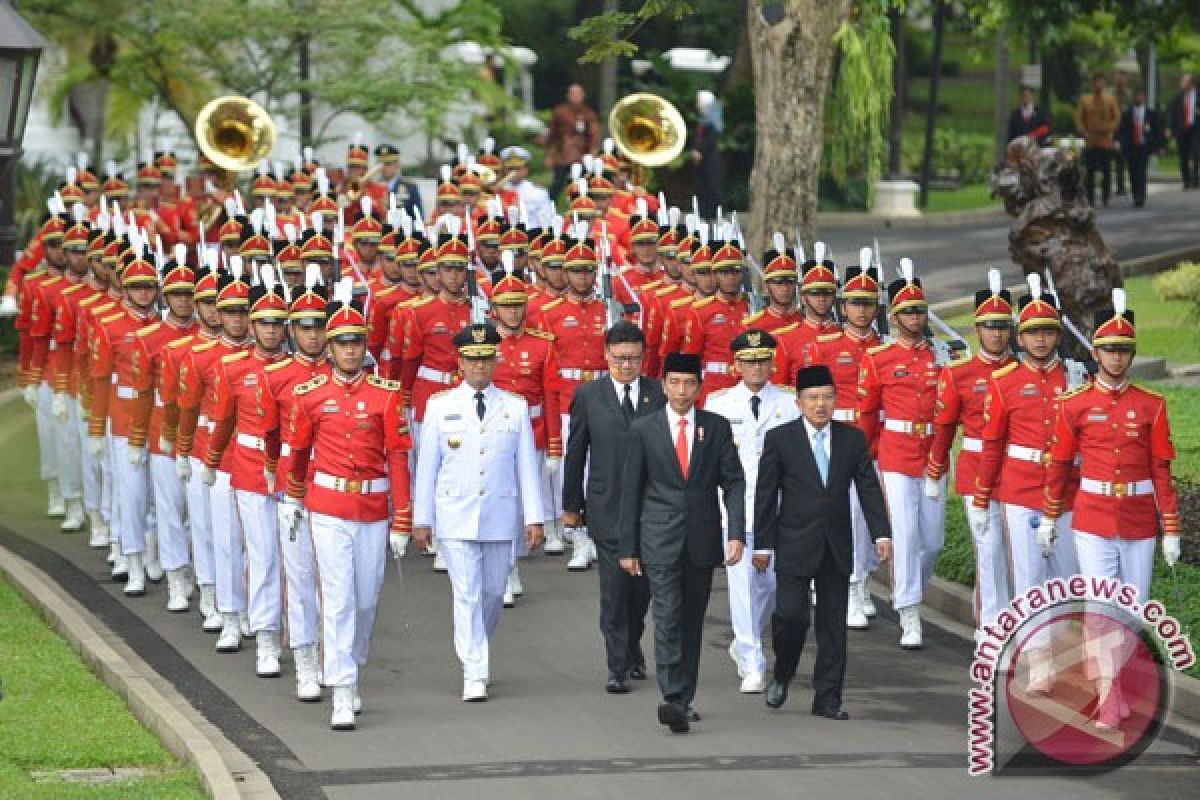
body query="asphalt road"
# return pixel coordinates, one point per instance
(549, 729)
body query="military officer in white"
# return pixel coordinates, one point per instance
(479, 484)
(753, 407)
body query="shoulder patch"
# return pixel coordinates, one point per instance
(232, 357)
(308, 386)
(1078, 390)
(1145, 390)
(540, 334)
(74, 287)
(87, 301)
(757, 315)
(384, 292)
(384, 383)
(278, 365)
(1005, 370)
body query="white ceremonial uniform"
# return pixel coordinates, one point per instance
(478, 485)
(751, 593)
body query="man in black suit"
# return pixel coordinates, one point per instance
(679, 457)
(802, 515)
(1141, 136)
(1185, 128)
(601, 414)
(1029, 120)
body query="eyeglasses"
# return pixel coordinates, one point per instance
(625, 359)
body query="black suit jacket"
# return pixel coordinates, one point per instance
(797, 515)
(1038, 125)
(1179, 116)
(598, 428)
(1152, 133)
(667, 519)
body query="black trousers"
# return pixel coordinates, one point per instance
(1097, 159)
(624, 600)
(680, 601)
(790, 623)
(562, 174)
(1138, 163)
(1120, 163)
(1189, 156)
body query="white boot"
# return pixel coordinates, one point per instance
(910, 628)
(75, 516)
(244, 624)
(213, 619)
(99, 537)
(554, 545)
(866, 602)
(230, 640)
(431, 548)
(55, 505)
(120, 565)
(135, 584)
(439, 563)
(154, 570)
(177, 599)
(267, 656)
(856, 618)
(308, 687)
(510, 600)
(514, 580)
(357, 704)
(474, 691)
(581, 551)
(343, 709)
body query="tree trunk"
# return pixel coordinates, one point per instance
(899, 93)
(1000, 91)
(935, 74)
(792, 64)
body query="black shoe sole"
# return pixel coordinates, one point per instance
(673, 717)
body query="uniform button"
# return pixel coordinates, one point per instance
(481, 492)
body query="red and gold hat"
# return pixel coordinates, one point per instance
(702, 258)
(727, 257)
(206, 285)
(316, 246)
(149, 175)
(488, 231)
(357, 155)
(344, 317)
(448, 192)
(554, 253)
(993, 304)
(139, 272)
(283, 188)
(538, 241)
(470, 184)
(233, 293)
(611, 164)
(643, 229)
(263, 186)
(166, 162)
(580, 256)
(779, 265)
(115, 188)
(1115, 327)
(54, 228)
(267, 302)
(177, 275)
(452, 251)
(1038, 310)
(324, 204)
(254, 246)
(584, 207)
(289, 257)
(906, 292)
(510, 291)
(387, 242)
(71, 193)
(514, 239)
(600, 186)
(367, 229)
(818, 277)
(427, 259)
(112, 250)
(230, 231)
(408, 250)
(78, 236)
(97, 241)
(301, 181)
(668, 241)
(686, 244)
(861, 283)
(87, 180)
(309, 306)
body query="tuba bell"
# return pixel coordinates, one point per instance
(235, 133)
(647, 129)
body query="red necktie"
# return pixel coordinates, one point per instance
(681, 447)
(1137, 129)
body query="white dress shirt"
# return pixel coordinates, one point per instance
(634, 389)
(673, 425)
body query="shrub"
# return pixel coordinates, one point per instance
(1181, 283)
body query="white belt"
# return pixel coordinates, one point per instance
(716, 368)
(578, 374)
(114, 379)
(204, 422)
(1026, 454)
(126, 393)
(158, 403)
(535, 411)
(908, 426)
(1107, 489)
(972, 445)
(385, 355)
(350, 485)
(53, 345)
(843, 414)
(253, 442)
(435, 375)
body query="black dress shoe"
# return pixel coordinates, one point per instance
(674, 716)
(692, 714)
(638, 673)
(776, 694)
(616, 685)
(830, 713)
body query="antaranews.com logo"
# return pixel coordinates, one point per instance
(1074, 673)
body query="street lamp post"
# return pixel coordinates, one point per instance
(20, 48)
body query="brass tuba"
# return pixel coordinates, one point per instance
(235, 133)
(647, 129)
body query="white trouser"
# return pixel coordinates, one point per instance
(300, 575)
(133, 485)
(865, 560)
(89, 465)
(260, 533)
(1130, 560)
(69, 460)
(551, 490)
(478, 573)
(1029, 567)
(199, 508)
(168, 513)
(229, 547)
(992, 593)
(350, 559)
(918, 533)
(47, 433)
(108, 494)
(751, 601)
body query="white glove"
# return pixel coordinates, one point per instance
(933, 488)
(166, 447)
(137, 456)
(183, 468)
(269, 477)
(8, 306)
(1170, 548)
(978, 519)
(1047, 532)
(31, 395)
(553, 465)
(96, 446)
(58, 406)
(208, 475)
(399, 544)
(289, 514)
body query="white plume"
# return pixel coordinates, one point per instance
(690, 222)
(640, 207)
(779, 242)
(318, 221)
(290, 232)
(799, 252)
(514, 216)
(160, 256)
(661, 216)
(406, 224)
(263, 167)
(266, 274)
(586, 160)
(269, 218)
(453, 225)
(583, 187)
(81, 161)
(256, 220)
(235, 267)
(556, 225)
(1118, 298)
(819, 251)
(609, 145)
(864, 258)
(118, 221)
(995, 282)
(906, 269)
(447, 173)
(312, 275)
(673, 216)
(308, 154)
(597, 167)
(343, 290)
(231, 209)
(489, 144)
(110, 168)
(576, 171)
(72, 174)
(180, 253)
(241, 204)
(279, 171)
(103, 222)
(506, 260)
(358, 138)
(322, 180)
(365, 204)
(1035, 284)
(702, 230)
(78, 212)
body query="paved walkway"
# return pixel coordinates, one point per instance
(550, 730)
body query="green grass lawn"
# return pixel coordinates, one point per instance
(964, 198)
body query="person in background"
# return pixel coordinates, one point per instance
(1029, 120)
(574, 130)
(1184, 129)
(1096, 119)
(1141, 136)
(1120, 159)
(706, 155)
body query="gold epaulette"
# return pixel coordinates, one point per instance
(204, 346)
(879, 348)
(706, 301)
(387, 290)
(232, 357)
(417, 302)
(753, 317)
(829, 337)
(1077, 390)
(683, 301)
(556, 301)
(1140, 388)
(649, 286)
(111, 317)
(308, 386)
(384, 383)
(149, 329)
(278, 365)
(87, 301)
(540, 334)
(75, 287)
(181, 341)
(786, 328)
(663, 291)
(1000, 373)
(958, 362)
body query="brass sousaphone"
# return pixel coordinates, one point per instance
(235, 133)
(647, 129)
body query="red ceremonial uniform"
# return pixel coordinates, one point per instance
(1018, 428)
(793, 340)
(39, 299)
(173, 356)
(239, 407)
(379, 321)
(91, 311)
(527, 365)
(578, 328)
(282, 377)
(356, 437)
(962, 389)
(429, 361)
(114, 363)
(843, 352)
(1123, 443)
(196, 376)
(900, 380)
(641, 281)
(64, 373)
(152, 346)
(708, 331)
(655, 315)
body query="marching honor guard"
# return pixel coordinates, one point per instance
(714, 322)
(347, 465)
(962, 389)
(753, 408)
(479, 486)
